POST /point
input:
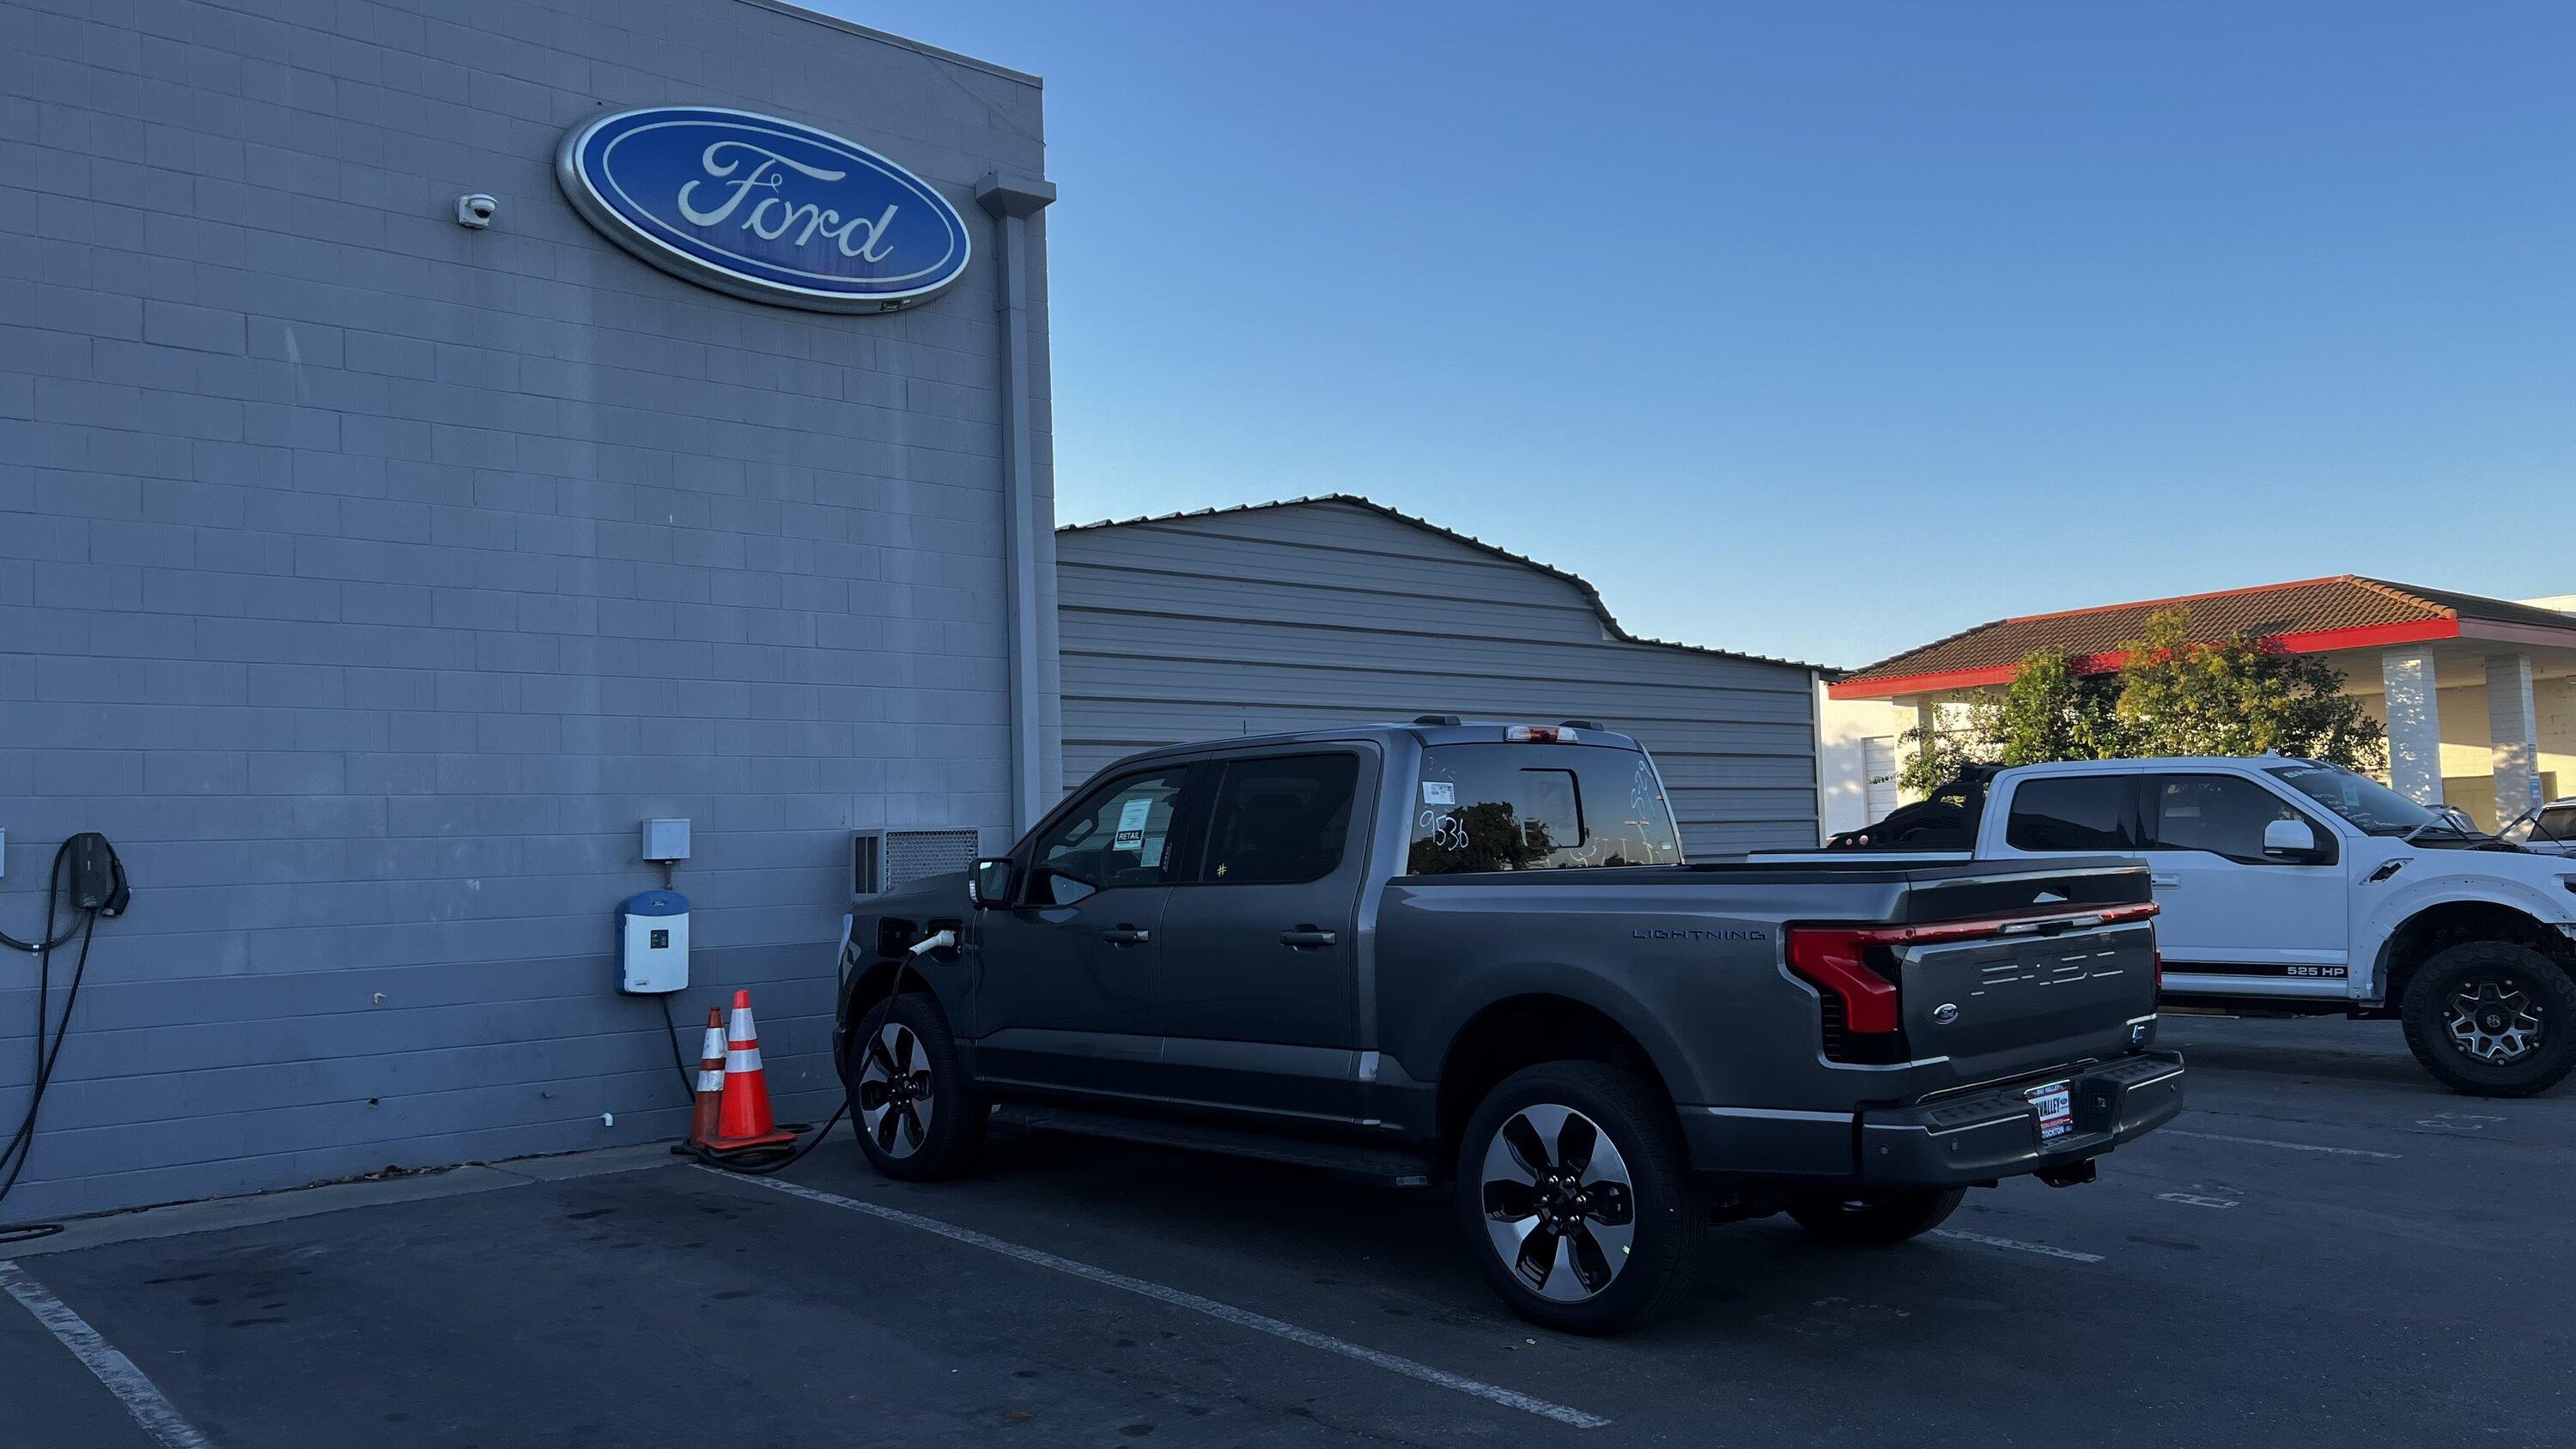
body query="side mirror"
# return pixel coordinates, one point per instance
(989, 884)
(2290, 840)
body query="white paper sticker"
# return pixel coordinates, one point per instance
(1131, 815)
(1439, 792)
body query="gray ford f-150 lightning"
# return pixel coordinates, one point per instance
(1471, 954)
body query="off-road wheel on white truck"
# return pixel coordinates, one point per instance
(1577, 1199)
(909, 1103)
(1874, 1219)
(2492, 1019)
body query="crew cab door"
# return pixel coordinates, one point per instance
(1260, 1009)
(1065, 996)
(2238, 921)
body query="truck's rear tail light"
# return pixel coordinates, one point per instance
(1832, 959)
(1837, 960)
(1539, 735)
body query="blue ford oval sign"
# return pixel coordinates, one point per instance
(763, 208)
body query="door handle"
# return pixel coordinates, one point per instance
(1305, 938)
(2164, 882)
(1126, 936)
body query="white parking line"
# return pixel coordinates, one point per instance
(1241, 1318)
(2018, 1246)
(2271, 1142)
(113, 1369)
(2193, 1199)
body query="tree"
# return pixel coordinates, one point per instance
(2240, 696)
(2053, 712)
(2050, 711)
(2174, 695)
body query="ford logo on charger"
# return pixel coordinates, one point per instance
(763, 208)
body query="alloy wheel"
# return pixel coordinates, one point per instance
(2494, 1019)
(894, 1091)
(1559, 1204)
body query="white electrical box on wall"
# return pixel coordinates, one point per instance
(653, 943)
(665, 841)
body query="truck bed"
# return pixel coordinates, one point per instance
(1929, 889)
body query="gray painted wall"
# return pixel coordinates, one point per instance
(1325, 612)
(367, 579)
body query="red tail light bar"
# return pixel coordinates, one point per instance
(1836, 958)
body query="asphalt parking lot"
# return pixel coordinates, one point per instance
(2325, 1249)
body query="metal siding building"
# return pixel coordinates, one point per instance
(367, 579)
(1326, 610)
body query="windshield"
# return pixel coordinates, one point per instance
(2555, 825)
(2365, 802)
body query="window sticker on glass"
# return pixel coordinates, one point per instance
(1131, 824)
(1439, 792)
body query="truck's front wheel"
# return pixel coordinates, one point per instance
(1577, 1199)
(1875, 1218)
(915, 1116)
(2492, 1019)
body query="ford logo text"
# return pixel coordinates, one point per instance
(763, 208)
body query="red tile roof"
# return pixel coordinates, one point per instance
(2308, 616)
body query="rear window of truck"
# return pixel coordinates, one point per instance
(2074, 812)
(1538, 807)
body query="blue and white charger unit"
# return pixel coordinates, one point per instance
(653, 943)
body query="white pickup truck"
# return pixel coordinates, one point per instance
(2295, 887)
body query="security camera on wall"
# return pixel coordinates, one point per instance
(476, 210)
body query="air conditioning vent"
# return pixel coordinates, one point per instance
(880, 860)
(912, 854)
(867, 862)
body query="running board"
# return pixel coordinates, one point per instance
(1378, 1166)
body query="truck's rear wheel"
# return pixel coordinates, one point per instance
(1576, 1198)
(1875, 1218)
(2492, 1019)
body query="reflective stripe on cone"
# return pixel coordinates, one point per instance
(705, 1111)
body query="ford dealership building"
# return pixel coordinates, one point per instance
(440, 438)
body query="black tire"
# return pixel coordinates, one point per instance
(2492, 1019)
(916, 1118)
(1653, 1222)
(1874, 1219)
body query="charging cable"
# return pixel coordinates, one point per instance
(761, 1162)
(87, 873)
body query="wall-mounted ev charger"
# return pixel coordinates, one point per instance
(653, 943)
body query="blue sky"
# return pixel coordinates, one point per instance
(1823, 330)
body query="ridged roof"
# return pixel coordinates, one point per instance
(1608, 620)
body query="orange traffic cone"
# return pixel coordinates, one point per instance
(711, 1075)
(743, 1120)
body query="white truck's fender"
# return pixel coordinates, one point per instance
(2548, 903)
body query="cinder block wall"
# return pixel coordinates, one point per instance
(367, 579)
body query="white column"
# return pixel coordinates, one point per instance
(2414, 724)
(2513, 724)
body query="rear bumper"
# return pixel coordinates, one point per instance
(1977, 1137)
(1995, 1132)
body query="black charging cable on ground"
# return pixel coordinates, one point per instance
(86, 873)
(762, 1161)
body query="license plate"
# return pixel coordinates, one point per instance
(2055, 1104)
